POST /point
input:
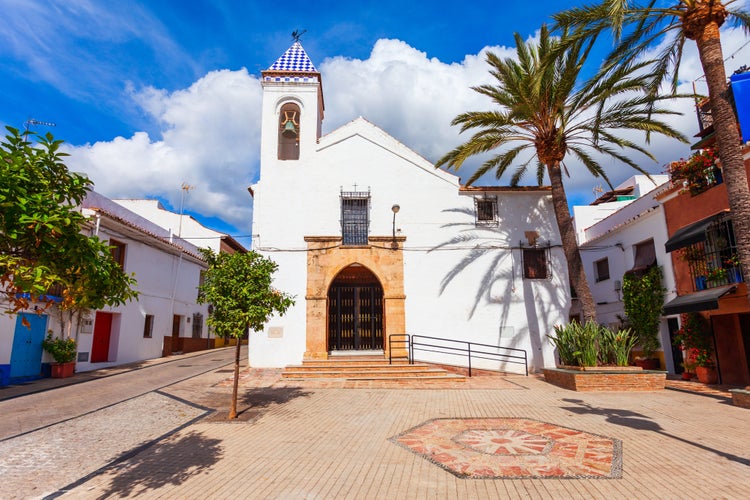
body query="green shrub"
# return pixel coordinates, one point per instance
(643, 298)
(592, 344)
(62, 350)
(616, 346)
(577, 345)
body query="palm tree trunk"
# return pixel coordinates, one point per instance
(570, 243)
(727, 138)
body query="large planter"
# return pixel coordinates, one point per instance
(606, 379)
(62, 370)
(706, 374)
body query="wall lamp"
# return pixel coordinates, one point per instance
(395, 208)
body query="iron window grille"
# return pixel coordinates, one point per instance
(197, 325)
(485, 210)
(714, 261)
(355, 217)
(535, 262)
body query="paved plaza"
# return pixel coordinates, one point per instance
(489, 437)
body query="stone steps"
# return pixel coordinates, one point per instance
(366, 368)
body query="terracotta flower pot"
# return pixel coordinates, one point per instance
(706, 374)
(63, 370)
(687, 376)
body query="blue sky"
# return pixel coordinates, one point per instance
(149, 95)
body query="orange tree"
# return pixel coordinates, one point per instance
(238, 288)
(41, 241)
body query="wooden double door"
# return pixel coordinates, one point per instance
(355, 312)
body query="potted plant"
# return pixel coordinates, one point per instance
(64, 353)
(695, 337)
(717, 275)
(732, 264)
(689, 372)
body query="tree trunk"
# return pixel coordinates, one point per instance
(233, 408)
(569, 243)
(727, 138)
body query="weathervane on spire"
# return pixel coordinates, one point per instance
(297, 34)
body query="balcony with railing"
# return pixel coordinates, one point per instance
(714, 262)
(698, 173)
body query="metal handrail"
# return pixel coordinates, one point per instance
(509, 354)
(399, 339)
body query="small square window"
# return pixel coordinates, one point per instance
(486, 211)
(535, 264)
(148, 326)
(117, 249)
(601, 269)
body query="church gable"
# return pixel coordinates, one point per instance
(365, 137)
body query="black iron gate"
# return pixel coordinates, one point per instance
(355, 317)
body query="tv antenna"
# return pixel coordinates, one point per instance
(31, 122)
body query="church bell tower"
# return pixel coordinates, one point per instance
(292, 112)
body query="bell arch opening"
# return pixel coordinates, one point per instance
(355, 310)
(289, 129)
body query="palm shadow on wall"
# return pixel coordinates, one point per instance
(492, 248)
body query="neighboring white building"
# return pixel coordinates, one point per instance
(167, 271)
(182, 226)
(625, 229)
(372, 241)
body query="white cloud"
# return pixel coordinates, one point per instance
(210, 140)
(400, 89)
(211, 130)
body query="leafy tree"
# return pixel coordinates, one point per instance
(643, 300)
(238, 288)
(643, 26)
(41, 243)
(546, 113)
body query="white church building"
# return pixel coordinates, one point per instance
(374, 241)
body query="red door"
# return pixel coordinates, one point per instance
(102, 332)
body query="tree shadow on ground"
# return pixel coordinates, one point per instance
(638, 421)
(169, 462)
(252, 403)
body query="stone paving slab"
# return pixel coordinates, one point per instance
(336, 443)
(41, 462)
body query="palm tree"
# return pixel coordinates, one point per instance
(545, 113)
(669, 27)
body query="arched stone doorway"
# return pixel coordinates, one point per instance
(355, 310)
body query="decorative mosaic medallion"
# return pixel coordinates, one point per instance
(496, 448)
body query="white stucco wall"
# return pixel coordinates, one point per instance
(615, 238)
(184, 225)
(159, 274)
(485, 301)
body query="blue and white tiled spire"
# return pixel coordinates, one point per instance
(294, 65)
